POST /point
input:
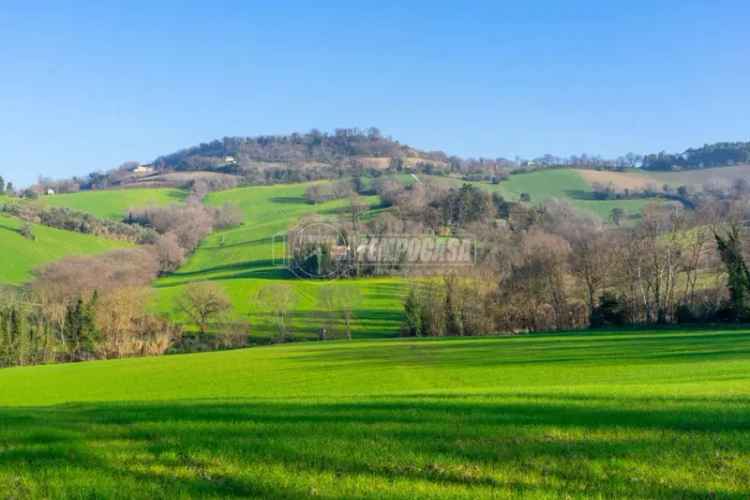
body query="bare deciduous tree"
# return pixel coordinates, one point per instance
(278, 300)
(203, 303)
(340, 300)
(171, 254)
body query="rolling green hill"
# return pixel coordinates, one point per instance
(638, 414)
(19, 256)
(563, 184)
(241, 260)
(114, 204)
(568, 185)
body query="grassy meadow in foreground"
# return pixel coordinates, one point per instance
(19, 255)
(606, 414)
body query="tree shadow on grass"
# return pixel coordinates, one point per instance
(237, 266)
(178, 194)
(541, 444)
(530, 350)
(366, 324)
(267, 273)
(259, 269)
(290, 200)
(578, 194)
(257, 242)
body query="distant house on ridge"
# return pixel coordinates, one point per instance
(143, 170)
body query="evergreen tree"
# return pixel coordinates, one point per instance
(413, 313)
(730, 249)
(80, 332)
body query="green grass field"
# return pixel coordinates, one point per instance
(19, 256)
(244, 259)
(567, 185)
(562, 184)
(603, 415)
(114, 203)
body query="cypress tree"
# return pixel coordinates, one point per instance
(730, 249)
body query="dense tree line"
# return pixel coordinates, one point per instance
(564, 272)
(37, 330)
(719, 154)
(430, 207)
(319, 193)
(184, 225)
(545, 266)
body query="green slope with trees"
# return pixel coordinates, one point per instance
(566, 185)
(114, 203)
(20, 254)
(244, 260)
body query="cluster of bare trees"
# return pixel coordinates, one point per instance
(609, 191)
(44, 184)
(207, 306)
(565, 272)
(319, 193)
(182, 227)
(427, 206)
(73, 277)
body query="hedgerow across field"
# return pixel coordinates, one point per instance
(611, 414)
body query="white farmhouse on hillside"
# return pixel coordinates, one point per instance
(143, 170)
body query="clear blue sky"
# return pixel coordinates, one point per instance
(88, 86)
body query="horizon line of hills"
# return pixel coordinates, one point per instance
(316, 146)
(354, 151)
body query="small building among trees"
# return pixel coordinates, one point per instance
(143, 170)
